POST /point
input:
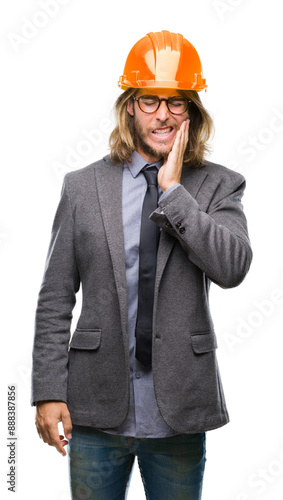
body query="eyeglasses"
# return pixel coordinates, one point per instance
(150, 103)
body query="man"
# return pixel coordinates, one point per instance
(139, 376)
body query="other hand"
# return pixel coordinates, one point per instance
(48, 415)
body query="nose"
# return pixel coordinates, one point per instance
(163, 112)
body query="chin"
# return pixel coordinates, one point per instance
(162, 151)
(161, 145)
(158, 151)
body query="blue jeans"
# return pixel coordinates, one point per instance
(100, 465)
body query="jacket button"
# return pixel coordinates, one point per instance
(167, 224)
(182, 230)
(178, 224)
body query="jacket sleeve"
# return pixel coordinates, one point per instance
(54, 309)
(216, 240)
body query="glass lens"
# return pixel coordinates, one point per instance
(177, 106)
(148, 103)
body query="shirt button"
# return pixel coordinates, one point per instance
(138, 375)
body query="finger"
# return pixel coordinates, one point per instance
(67, 424)
(177, 143)
(187, 127)
(55, 440)
(48, 431)
(178, 147)
(64, 442)
(185, 132)
(183, 139)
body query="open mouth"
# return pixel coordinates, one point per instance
(162, 131)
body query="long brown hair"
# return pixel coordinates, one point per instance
(121, 140)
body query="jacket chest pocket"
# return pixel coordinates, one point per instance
(204, 342)
(86, 339)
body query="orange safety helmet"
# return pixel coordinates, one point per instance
(163, 60)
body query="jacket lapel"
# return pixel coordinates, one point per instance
(192, 179)
(109, 187)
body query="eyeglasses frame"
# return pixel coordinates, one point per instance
(160, 100)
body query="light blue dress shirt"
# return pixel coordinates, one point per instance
(144, 419)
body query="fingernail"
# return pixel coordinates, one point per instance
(69, 436)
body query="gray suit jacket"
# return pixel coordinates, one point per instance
(204, 238)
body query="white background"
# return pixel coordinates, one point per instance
(59, 82)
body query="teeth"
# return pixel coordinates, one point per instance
(162, 131)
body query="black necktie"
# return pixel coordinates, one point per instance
(147, 267)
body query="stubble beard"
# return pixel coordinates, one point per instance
(140, 141)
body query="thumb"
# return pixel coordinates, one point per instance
(67, 423)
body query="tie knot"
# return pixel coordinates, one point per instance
(150, 175)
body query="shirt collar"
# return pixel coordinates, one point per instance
(138, 163)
